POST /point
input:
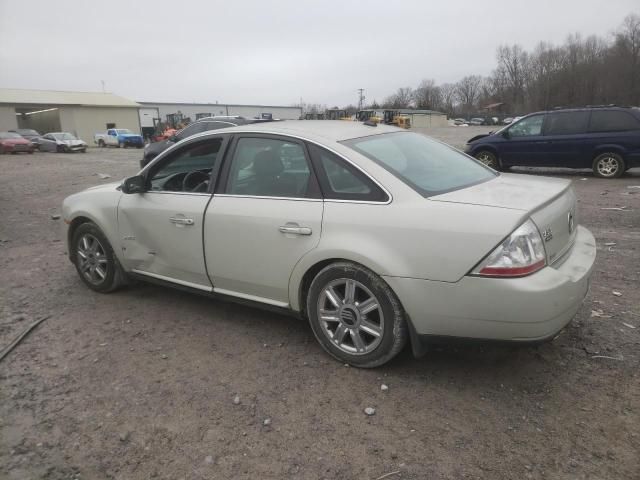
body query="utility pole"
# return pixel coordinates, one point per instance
(360, 98)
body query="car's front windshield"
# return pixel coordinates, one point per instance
(7, 135)
(428, 166)
(64, 136)
(28, 132)
(124, 131)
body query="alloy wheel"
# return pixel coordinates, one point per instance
(487, 158)
(92, 260)
(608, 166)
(350, 316)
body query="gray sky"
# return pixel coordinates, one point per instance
(274, 52)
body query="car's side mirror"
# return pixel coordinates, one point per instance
(505, 133)
(135, 184)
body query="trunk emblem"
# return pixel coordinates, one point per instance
(547, 234)
(571, 222)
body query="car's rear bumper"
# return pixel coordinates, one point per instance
(528, 309)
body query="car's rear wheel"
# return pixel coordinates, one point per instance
(94, 259)
(608, 165)
(488, 158)
(355, 315)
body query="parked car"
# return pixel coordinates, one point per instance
(152, 150)
(459, 122)
(61, 142)
(607, 140)
(375, 235)
(118, 137)
(11, 142)
(507, 121)
(29, 134)
(477, 121)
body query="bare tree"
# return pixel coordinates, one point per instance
(401, 99)
(468, 90)
(513, 62)
(449, 96)
(428, 96)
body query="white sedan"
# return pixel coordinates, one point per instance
(376, 235)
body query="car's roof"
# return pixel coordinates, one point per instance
(334, 130)
(587, 108)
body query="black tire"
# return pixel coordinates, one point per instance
(489, 158)
(84, 150)
(114, 276)
(608, 165)
(394, 330)
(60, 149)
(101, 143)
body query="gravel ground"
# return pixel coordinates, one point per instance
(150, 382)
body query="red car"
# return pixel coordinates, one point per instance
(14, 143)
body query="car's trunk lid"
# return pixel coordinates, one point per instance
(549, 202)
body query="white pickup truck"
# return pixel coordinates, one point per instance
(118, 137)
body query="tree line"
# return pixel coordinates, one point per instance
(582, 71)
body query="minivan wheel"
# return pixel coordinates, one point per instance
(488, 158)
(608, 165)
(94, 259)
(355, 315)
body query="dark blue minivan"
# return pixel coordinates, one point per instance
(605, 139)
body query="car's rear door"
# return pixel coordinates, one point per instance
(265, 218)
(161, 229)
(565, 135)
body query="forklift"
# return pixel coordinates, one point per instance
(394, 117)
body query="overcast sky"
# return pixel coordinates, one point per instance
(274, 52)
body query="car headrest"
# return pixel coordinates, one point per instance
(267, 162)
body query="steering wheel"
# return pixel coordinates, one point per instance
(195, 181)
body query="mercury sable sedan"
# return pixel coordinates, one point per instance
(375, 235)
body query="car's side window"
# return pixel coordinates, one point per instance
(527, 127)
(189, 169)
(269, 167)
(566, 123)
(341, 181)
(612, 121)
(191, 130)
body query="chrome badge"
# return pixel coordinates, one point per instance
(571, 222)
(547, 234)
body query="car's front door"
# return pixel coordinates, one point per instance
(161, 229)
(267, 216)
(48, 143)
(524, 143)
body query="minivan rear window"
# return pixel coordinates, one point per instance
(612, 121)
(428, 166)
(566, 123)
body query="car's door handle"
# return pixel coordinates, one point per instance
(295, 230)
(181, 220)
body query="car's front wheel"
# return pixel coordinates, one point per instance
(488, 158)
(94, 259)
(355, 315)
(608, 165)
(101, 143)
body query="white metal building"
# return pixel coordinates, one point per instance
(426, 118)
(81, 113)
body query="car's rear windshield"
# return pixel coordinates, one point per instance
(428, 166)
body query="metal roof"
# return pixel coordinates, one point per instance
(411, 111)
(16, 96)
(155, 104)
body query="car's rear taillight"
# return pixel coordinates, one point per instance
(522, 253)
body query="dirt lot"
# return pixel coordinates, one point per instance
(141, 383)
